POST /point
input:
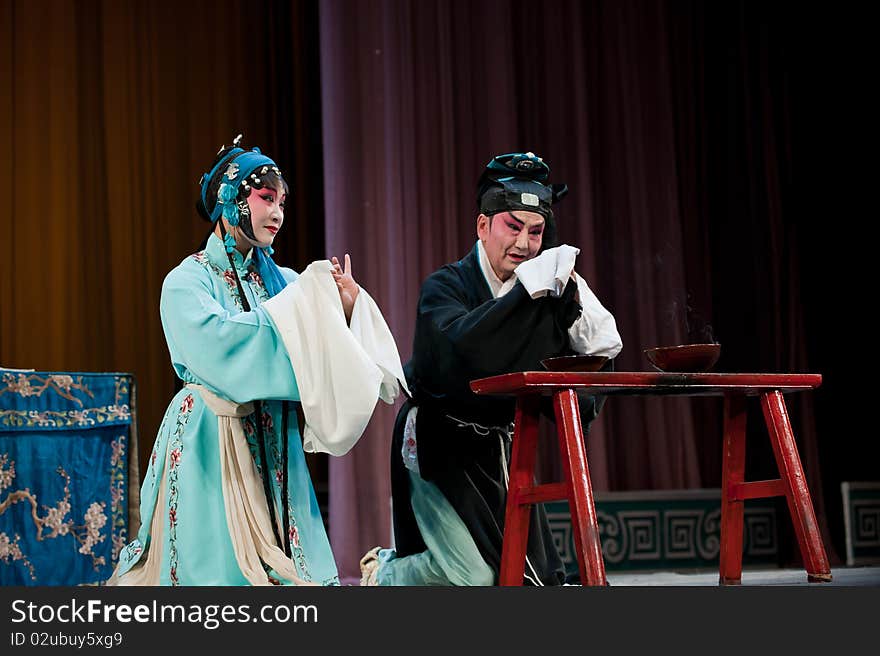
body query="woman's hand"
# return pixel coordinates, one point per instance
(348, 288)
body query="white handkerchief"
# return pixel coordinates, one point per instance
(549, 272)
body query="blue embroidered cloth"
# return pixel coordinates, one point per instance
(65, 475)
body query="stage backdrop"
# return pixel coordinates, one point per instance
(687, 131)
(109, 114)
(675, 127)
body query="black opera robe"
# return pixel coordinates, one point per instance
(463, 333)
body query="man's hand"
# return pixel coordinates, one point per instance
(348, 288)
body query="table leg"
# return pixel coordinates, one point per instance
(584, 522)
(800, 504)
(522, 474)
(733, 466)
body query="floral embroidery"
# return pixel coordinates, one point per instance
(63, 381)
(130, 552)
(274, 440)
(258, 286)
(95, 519)
(273, 455)
(53, 524)
(10, 550)
(226, 275)
(249, 426)
(155, 453)
(268, 423)
(6, 474)
(65, 419)
(297, 553)
(122, 386)
(174, 457)
(100, 519)
(115, 412)
(61, 384)
(118, 450)
(118, 529)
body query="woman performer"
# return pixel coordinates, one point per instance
(227, 498)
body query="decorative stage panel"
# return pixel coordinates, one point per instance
(669, 529)
(68, 475)
(861, 512)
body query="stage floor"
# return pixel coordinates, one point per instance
(841, 576)
(867, 576)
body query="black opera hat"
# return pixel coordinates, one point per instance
(517, 182)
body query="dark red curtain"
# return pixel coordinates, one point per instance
(685, 132)
(109, 114)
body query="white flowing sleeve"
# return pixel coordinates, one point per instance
(341, 372)
(595, 331)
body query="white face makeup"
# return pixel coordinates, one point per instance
(510, 238)
(267, 213)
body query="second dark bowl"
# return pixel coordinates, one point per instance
(685, 357)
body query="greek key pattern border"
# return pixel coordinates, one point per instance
(651, 534)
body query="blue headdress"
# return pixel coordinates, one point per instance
(240, 167)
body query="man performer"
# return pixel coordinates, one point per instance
(511, 302)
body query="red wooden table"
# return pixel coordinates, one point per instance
(529, 386)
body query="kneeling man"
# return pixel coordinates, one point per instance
(511, 302)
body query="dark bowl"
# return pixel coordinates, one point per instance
(575, 363)
(687, 357)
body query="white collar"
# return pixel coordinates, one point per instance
(497, 286)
